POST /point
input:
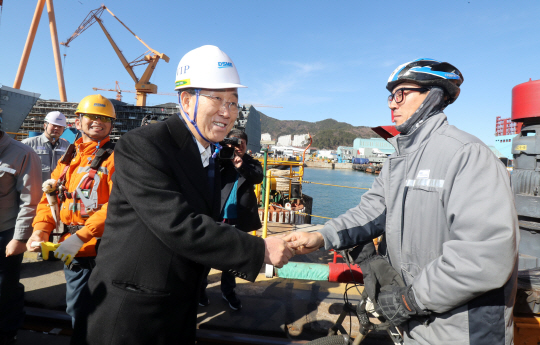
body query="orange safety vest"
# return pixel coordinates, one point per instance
(72, 209)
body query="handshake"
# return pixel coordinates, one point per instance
(278, 250)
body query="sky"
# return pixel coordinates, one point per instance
(315, 59)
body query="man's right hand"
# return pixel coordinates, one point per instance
(37, 236)
(304, 242)
(276, 251)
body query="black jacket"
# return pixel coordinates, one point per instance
(159, 235)
(251, 173)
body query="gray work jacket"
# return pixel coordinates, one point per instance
(444, 202)
(49, 154)
(20, 187)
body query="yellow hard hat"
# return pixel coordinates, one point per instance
(97, 105)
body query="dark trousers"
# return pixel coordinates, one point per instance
(77, 292)
(228, 282)
(11, 291)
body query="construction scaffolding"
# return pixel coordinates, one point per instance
(128, 116)
(35, 119)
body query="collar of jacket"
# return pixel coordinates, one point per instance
(45, 140)
(90, 147)
(4, 142)
(405, 144)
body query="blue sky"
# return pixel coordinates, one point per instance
(316, 59)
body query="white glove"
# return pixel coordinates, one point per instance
(68, 249)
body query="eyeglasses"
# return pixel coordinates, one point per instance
(399, 95)
(97, 117)
(220, 102)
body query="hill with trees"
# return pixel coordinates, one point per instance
(327, 134)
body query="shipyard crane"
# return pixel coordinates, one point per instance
(30, 42)
(119, 91)
(142, 86)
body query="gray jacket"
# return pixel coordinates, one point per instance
(444, 202)
(49, 154)
(20, 187)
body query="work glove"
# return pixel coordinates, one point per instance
(376, 270)
(398, 304)
(68, 249)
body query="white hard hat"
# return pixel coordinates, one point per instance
(56, 118)
(207, 67)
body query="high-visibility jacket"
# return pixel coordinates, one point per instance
(70, 209)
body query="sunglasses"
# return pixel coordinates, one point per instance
(98, 117)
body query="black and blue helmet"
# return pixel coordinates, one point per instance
(428, 72)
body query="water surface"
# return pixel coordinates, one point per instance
(333, 201)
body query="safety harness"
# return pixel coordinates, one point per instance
(83, 192)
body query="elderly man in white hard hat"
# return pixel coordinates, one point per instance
(161, 227)
(49, 146)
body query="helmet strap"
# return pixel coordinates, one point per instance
(194, 121)
(433, 104)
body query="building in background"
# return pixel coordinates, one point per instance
(284, 140)
(300, 140)
(345, 154)
(376, 150)
(327, 154)
(505, 130)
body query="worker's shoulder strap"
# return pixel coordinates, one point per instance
(101, 155)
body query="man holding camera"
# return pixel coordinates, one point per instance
(239, 173)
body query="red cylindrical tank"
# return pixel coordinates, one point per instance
(526, 101)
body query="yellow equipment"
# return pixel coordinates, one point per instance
(47, 247)
(142, 85)
(96, 105)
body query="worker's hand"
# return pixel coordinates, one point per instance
(276, 251)
(68, 249)
(37, 236)
(15, 247)
(237, 161)
(398, 304)
(304, 242)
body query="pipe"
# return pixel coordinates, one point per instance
(332, 272)
(266, 203)
(265, 150)
(28, 45)
(56, 51)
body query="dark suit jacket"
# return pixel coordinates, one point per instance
(250, 173)
(159, 235)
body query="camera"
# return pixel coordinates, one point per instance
(227, 152)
